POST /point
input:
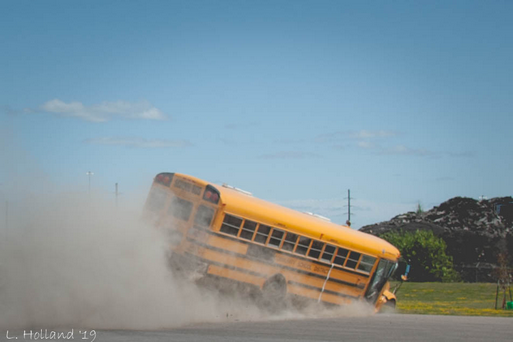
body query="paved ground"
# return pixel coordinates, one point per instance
(384, 327)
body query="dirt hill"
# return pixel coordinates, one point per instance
(475, 231)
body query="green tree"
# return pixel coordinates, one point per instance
(425, 252)
(419, 210)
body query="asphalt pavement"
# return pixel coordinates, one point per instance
(380, 327)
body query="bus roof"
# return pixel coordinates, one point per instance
(241, 204)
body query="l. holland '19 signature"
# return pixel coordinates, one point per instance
(46, 334)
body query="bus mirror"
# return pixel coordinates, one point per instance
(404, 277)
(403, 268)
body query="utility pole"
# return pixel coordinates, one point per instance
(348, 222)
(89, 174)
(6, 218)
(117, 195)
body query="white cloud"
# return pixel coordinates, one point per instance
(241, 126)
(139, 142)
(407, 151)
(356, 135)
(375, 141)
(466, 154)
(363, 212)
(445, 179)
(381, 142)
(365, 134)
(290, 155)
(104, 111)
(366, 144)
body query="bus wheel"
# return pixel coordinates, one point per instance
(274, 291)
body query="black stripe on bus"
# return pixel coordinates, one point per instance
(298, 270)
(210, 262)
(244, 256)
(264, 276)
(367, 275)
(315, 288)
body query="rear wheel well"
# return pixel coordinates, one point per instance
(274, 291)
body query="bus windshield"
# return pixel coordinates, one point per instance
(384, 270)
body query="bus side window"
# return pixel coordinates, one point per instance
(316, 249)
(302, 245)
(353, 259)
(262, 233)
(340, 258)
(367, 263)
(248, 230)
(231, 225)
(290, 242)
(328, 253)
(276, 237)
(204, 216)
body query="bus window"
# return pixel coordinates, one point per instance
(231, 225)
(353, 260)
(262, 233)
(316, 249)
(180, 208)
(367, 263)
(180, 184)
(276, 237)
(341, 256)
(248, 230)
(204, 216)
(302, 245)
(328, 253)
(290, 242)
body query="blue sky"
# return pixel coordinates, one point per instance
(295, 101)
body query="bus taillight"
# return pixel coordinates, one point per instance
(164, 178)
(211, 195)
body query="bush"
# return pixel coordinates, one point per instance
(425, 253)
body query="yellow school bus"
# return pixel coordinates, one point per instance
(226, 234)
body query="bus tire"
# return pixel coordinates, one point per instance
(274, 291)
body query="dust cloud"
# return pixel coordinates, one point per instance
(71, 261)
